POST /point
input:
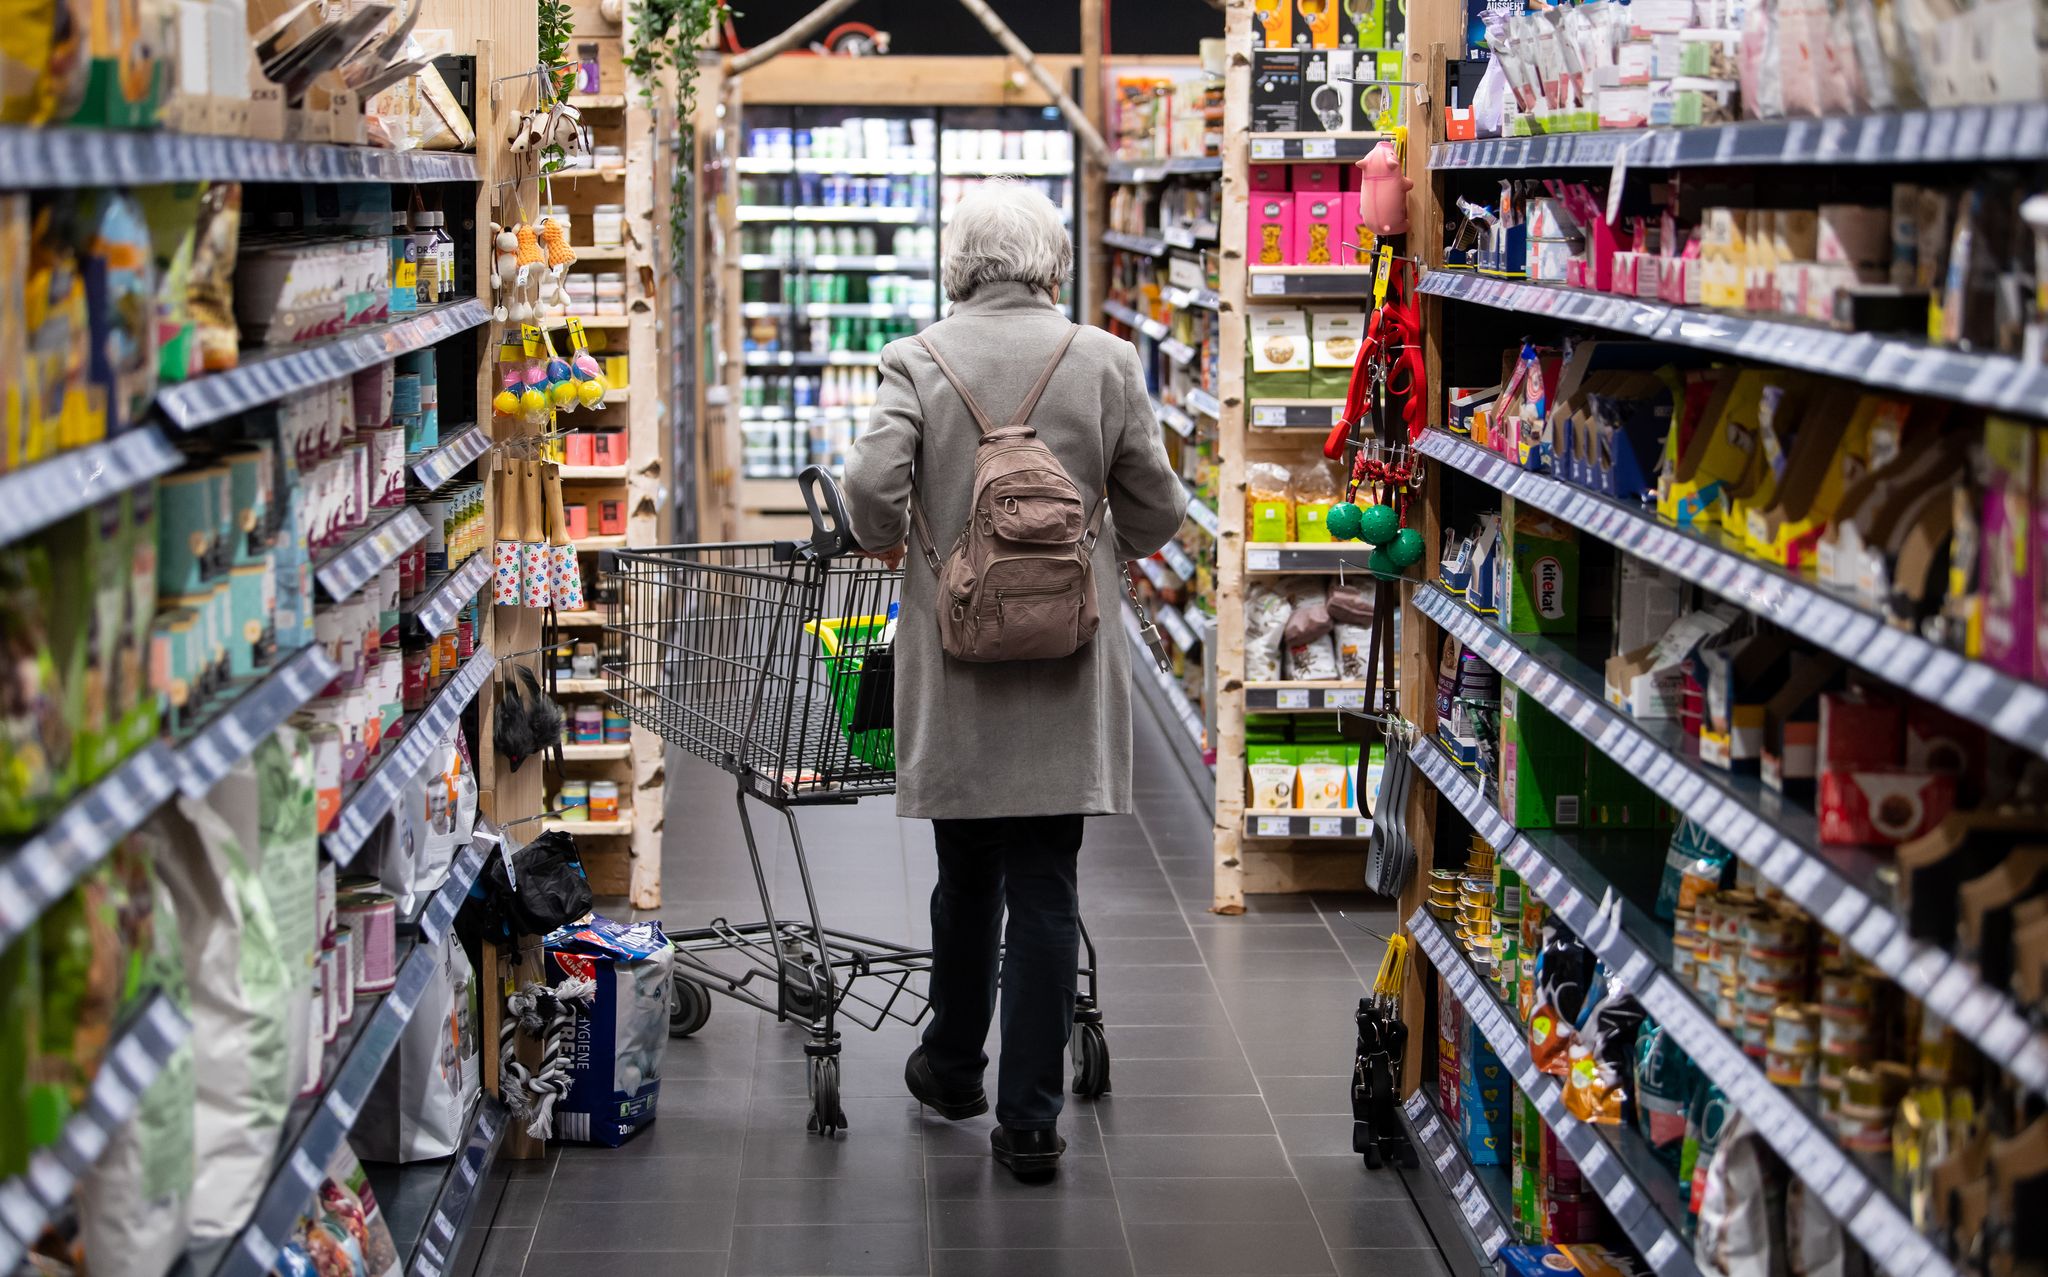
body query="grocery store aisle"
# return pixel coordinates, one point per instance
(1224, 1147)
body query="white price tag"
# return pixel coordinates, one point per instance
(1273, 826)
(1269, 148)
(1269, 285)
(1268, 415)
(1446, 1156)
(1291, 698)
(1326, 826)
(1319, 148)
(1344, 698)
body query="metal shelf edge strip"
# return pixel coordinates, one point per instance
(443, 463)
(445, 599)
(373, 798)
(38, 495)
(56, 158)
(372, 552)
(235, 733)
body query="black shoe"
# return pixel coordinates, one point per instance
(917, 1076)
(1028, 1154)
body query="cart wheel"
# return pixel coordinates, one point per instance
(827, 1118)
(1091, 1061)
(803, 991)
(689, 1006)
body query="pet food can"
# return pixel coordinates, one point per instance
(587, 725)
(604, 800)
(1792, 1068)
(1795, 1029)
(572, 800)
(373, 916)
(618, 729)
(405, 394)
(324, 894)
(1774, 932)
(345, 960)
(436, 514)
(450, 655)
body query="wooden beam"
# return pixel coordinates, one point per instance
(798, 33)
(1094, 192)
(1078, 120)
(1232, 285)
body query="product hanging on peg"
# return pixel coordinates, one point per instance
(506, 593)
(568, 579)
(536, 559)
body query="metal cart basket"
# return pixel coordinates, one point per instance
(769, 659)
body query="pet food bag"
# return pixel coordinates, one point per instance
(620, 1034)
(241, 991)
(416, 1109)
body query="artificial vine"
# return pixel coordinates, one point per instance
(669, 34)
(557, 23)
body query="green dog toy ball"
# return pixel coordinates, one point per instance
(1343, 521)
(1380, 564)
(1406, 549)
(1377, 524)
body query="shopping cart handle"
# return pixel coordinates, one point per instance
(831, 530)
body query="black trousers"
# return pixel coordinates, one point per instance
(1024, 863)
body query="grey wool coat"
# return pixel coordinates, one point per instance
(1012, 738)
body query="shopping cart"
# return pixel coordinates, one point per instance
(768, 659)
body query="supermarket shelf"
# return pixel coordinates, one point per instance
(1157, 573)
(2012, 708)
(1177, 559)
(1009, 168)
(372, 799)
(1296, 414)
(596, 322)
(1288, 148)
(1175, 627)
(1949, 135)
(594, 173)
(1480, 1194)
(1132, 319)
(1790, 1122)
(833, 261)
(1841, 887)
(1302, 556)
(1640, 1195)
(836, 310)
(1891, 363)
(1306, 824)
(620, 828)
(1309, 281)
(316, 1129)
(1165, 691)
(1191, 298)
(140, 1047)
(813, 359)
(593, 474)
(614, 753)
(1174, 419)
(265, 377)
(599, 252)
(598, 101)
(252, 717)
(1129, 172)
(428, 1230)
(1190, 235)
(590, 545)
(38, 495)
(437, 466)
(342, 572)
(37, 873)
(1202, 516)
(1206, 404)
(1177, 350)
(1302, 697)
(1150, 245)
(54, 158)
(435, 609)
(872, 168)
(579, 687)
(592, 618)
(782, 213)
(783, 412)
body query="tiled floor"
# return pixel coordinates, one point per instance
(1223, 1148)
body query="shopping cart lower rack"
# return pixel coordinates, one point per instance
(769, 659)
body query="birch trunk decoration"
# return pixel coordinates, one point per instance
(797, 33)
(1077, 119)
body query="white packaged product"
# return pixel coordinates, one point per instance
(416, 1109)
(240, 993)
(1265, 624)
(1311, 655)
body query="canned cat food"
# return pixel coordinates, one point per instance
(1793, 1068)
(572, 800)
(373, 916)
(1796, 1029)
(604, 800)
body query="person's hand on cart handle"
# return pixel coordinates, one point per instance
(889, 558)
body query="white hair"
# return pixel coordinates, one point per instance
(1006, 231)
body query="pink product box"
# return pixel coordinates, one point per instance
(1355, 233)
(1319, 230)
(1269, 229)
(1317, 178)
(1269, 177)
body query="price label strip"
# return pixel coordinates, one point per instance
(362, 810)
(253, 717)
(437, 611)
(348, 570)
(435, 468)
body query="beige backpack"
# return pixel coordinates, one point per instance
(1019, 584)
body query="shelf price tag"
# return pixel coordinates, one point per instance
(1291, 698)
(1261, 560)
(1319, 148)
(1344, 698)
(1269, 285)
(1326, 826)
(1269, 415)
(1273, 826)
(1269, 148)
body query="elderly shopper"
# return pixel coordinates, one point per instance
(1006, 758)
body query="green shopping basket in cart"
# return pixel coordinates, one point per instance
(860, 689)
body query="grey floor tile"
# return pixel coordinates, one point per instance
(1346, 1179)
(1170, 1009)
(1229, 1250)
(632, 1226)
(1172, 1042)
(1234, 938)
(632, 1263)
(830, 1250)
(1217, 1201)
(801, 1156)
(654, 1179)
(1315, 1135)
(777, 1115)
(503, 1253)
(1369, 1225)
(970, 1176)
(1108, 1262)
(523, 1198)
(1133, 1114)
(1317, 1093)
(1229, 1076)
(998, 1223)
(792, 1202)
(1196, 1156)
(1120, 981)
(1390, 1263)
(1280, 1058)
(969, 1138)
(1115, 926)
(1326, 964)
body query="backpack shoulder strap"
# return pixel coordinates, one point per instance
(1045, 378)
(981, 419)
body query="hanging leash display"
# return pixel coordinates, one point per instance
(1377, 1133)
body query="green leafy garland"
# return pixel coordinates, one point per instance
(669, 34)
(557, 73)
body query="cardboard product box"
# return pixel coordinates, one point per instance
(1791, 756)
(1449, 1032)
(2012, 451)
(1269, 177)
(1375, 107)
(1314, 179)
(1318, 233)
(1280, 354)
(1647, 600)
(1325, 90)
(1335, 337)
(1273, 27)
(1649, 682)
(1543, 574)
(1542, 764)
(1317, 27)
(1269, 229)
(1882, 807)
(1277, 89)
(1363, 25)
(1739, 674)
